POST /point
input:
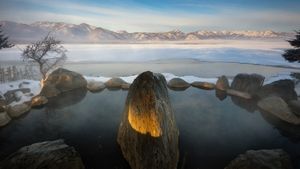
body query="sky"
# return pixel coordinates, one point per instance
(159, 15)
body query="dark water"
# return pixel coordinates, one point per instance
(212, 132)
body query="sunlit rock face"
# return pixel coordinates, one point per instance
(148, 135)
(62, 80)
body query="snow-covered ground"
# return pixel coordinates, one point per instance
(247, 51)
(33, 85)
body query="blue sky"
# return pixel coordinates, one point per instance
(159, 15)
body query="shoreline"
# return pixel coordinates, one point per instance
(178, 67)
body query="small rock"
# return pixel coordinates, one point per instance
(262, 159)
(125, 86)
(44, 155)
(279, 108)
(222, 83)
(243, 95)
(295, 106)
(4, 119)
(114, 83)
(18, 110)
(23, 83)
(204, 85)
(38, 101)
(178, 84)
(94, 86)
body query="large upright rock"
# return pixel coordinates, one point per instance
(262, 159)
(62, 80)
(148, 135)
(45, 155)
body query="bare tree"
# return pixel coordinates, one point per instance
(4, 40)
(48, 53)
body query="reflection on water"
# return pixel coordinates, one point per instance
(212, 132)
(66, 99)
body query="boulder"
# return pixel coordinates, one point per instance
(114, 83)
(148, 135)
(203, 85)
(262, 159)
(178, 84)
(222, 83)
(281, 88)
(38, 101)
(4, 119)
(237, 93)
(44, 155)
(249, 83)
(94, 86)
(295, 106)
(279, 108)
(18, 110)
(62, 80)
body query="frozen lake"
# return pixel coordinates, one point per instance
(246, 52)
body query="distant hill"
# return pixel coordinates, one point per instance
(84, 33)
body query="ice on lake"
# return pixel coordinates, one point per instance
(249, 52)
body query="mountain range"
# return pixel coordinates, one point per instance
(85, 33)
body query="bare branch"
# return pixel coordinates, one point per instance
(48, 53)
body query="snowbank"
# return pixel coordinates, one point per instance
(33, 85)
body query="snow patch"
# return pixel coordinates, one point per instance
(33, 85)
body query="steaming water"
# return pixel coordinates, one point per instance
(212, 132)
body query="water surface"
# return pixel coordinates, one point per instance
(212, 132)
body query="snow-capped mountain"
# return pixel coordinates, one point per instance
(84, 33)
